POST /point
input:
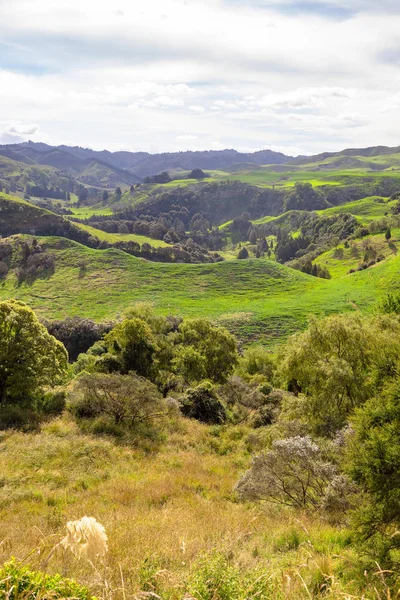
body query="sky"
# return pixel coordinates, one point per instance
(297, 76)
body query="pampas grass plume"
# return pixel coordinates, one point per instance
(86, 538)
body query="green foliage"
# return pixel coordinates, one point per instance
(373, 461)
(190, 364)
(125, 399)
(29, 357)
(216, 578)
(202, 403)
(256, 361)
(18, 582)
(133, 342)
(390, 304)
(216, 346)
(243, 253)
(337, 364)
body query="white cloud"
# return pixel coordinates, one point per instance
(186, 138)
(24, 129)
(140, 74)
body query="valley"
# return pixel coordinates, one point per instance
(198, 376)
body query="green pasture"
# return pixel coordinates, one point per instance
(258, 299)
(121, 237)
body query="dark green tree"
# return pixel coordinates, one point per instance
(29, 356)
(134, 343)
(373, 461)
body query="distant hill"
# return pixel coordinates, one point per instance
(371, 152)
(115, 168)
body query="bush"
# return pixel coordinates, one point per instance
(126, 399)
(331, 364)
(18, 582)
(202, 403)
(53, 401)
(373, 461)
(294, 473)
(243, 253)
(13, 416)
(215, 579)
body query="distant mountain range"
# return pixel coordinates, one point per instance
(104, 169)
(88, 165)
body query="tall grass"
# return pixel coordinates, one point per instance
(170, 515)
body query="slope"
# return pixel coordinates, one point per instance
(257, 299)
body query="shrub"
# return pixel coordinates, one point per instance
(373, 461)
(17, 582)
(13, 416)
(257, 361)
(202, 403)
(331, 364)
(294, 473)
(215, 579)
(126, 399)
(243, 253)
(53, 401)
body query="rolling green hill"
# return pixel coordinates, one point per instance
(257, 299)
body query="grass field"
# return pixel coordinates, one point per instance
(366, 210)
(258, 299)
(340, 260)
(163, 505)
(122, 237)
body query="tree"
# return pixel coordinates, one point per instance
(77, 334)
(189, 363)
(338, 363)
(133, 342)
(196, 174)
(203, 404)
(29, 356)
(105, 196)
(118, 193)
(253, 237)
(125, 398)
(215, 344)
(295, 473)
(373, 461)
(243, 253)
(388, 234)
(83, 194)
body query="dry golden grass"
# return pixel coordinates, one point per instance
(161, 512)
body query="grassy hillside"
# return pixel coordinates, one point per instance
(19, 216)
(162, 510)
(366, 210)
(257, 299)
(121, 237)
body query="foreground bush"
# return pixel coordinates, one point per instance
(126, 399)
(203, 404)
(294, 473)
(374, 463)
(19, 583)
